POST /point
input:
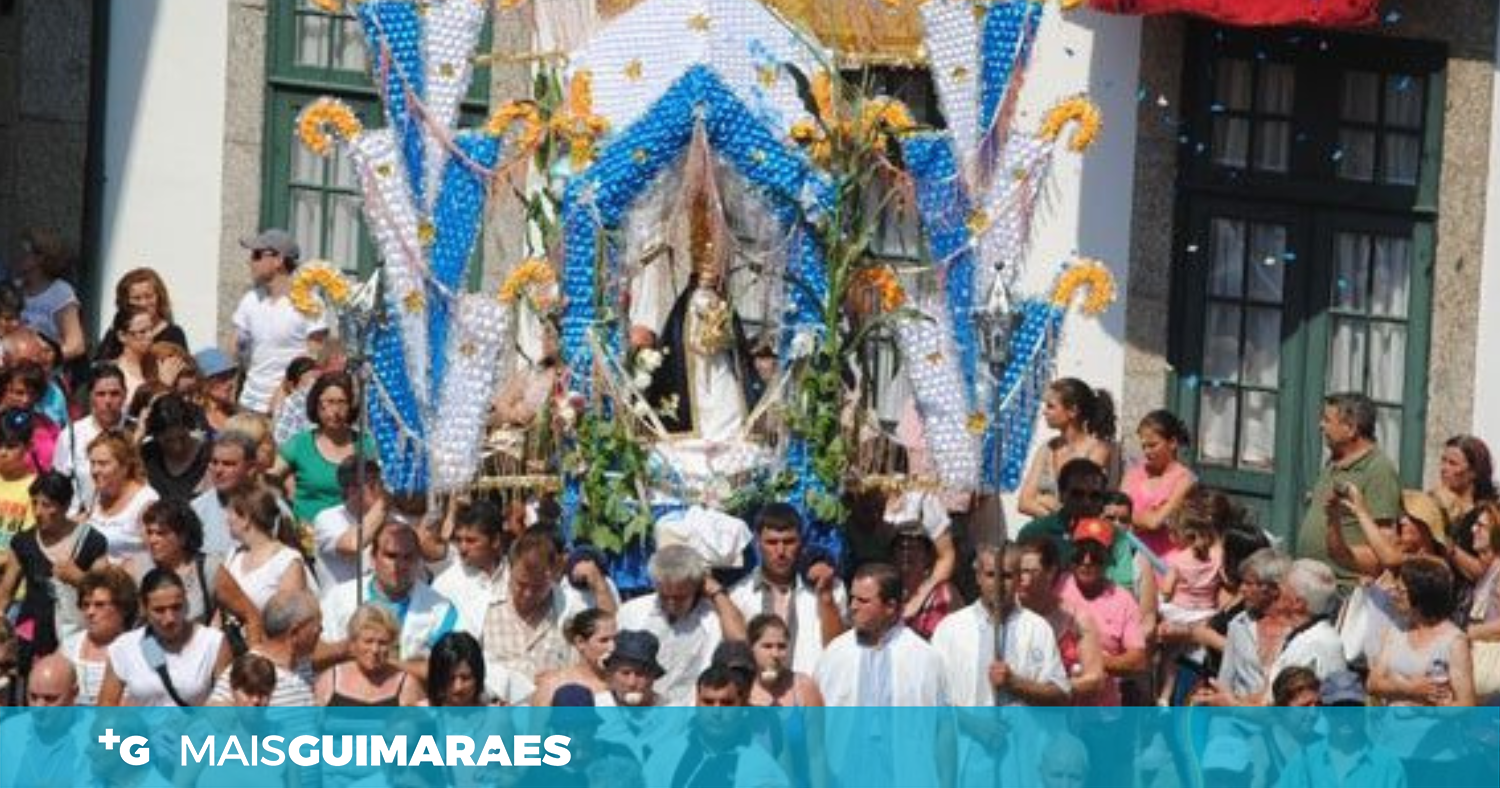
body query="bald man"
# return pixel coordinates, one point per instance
(53, 682)
(51, 740)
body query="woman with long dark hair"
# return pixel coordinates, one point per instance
(1084, 420)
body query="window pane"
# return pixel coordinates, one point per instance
(1258, 431)
(307, 167)
(1261, 365)
(1361, 96)
(1351, 262)
(1226, 277)
(1403, 101)
(1231, 141)
(1273, 149)
(1401, 157)
(351, 49)
(1392, 276)
(345, 231)
(314, 40)
(1267, 256)
(1356, 154)
(1216, 422)
(1387, 361)
(307, 220)
(1388, 432)
(1232, 88)
(1277, 89)
(344, 174)
(1346, 356)
(1221, 346)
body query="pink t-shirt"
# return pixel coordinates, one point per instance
(1197, 579)
(1152, 492)
(1117, 616)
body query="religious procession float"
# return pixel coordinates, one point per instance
(755, 270)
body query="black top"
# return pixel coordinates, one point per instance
(183, 487)
(40, 604)
(110, 347)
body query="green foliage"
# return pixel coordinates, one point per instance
(611, 465)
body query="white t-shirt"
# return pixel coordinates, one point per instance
(687, 645)
(123, 529)
(215, 518)
(749, 595)
(334, 567)
(40, 312)
(71, 457)
(191, 668)
(90, 674)
(966, 641)
(261, 583)
(275, 333)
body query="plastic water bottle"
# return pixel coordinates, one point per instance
(1437, 673)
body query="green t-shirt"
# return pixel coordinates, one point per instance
(317, 478)
(1375, 476)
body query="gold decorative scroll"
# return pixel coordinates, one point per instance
(861, 31)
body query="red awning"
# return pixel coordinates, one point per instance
(1255, 13)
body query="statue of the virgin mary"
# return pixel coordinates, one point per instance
(702, 386)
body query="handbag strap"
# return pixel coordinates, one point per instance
(156, 659)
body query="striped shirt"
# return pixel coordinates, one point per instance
(293, 687)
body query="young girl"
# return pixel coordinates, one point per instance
(1159, 482)
(1193, 579)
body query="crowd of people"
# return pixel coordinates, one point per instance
(185, 528)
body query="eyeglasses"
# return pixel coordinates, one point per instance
(1088, 558)
(263, 253)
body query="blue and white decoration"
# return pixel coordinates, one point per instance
(425, 183)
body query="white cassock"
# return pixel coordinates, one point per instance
(914, 678)
(718, 397)
(966, 641)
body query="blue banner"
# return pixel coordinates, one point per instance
(750, 747)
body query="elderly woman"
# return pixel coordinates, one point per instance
(171, 661)
(372, 680)
(121, 494)
(107, 598)
(592, 635)
(310, 460)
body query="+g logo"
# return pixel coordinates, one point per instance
(134, 750)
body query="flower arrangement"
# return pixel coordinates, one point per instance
(323, 122)
(1089, 274)
(836, 126)
(329, 6)
(315, 284)
(1077, 110)
(528, 281)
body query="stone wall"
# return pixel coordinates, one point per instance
(244, 152)
(1467, 28)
